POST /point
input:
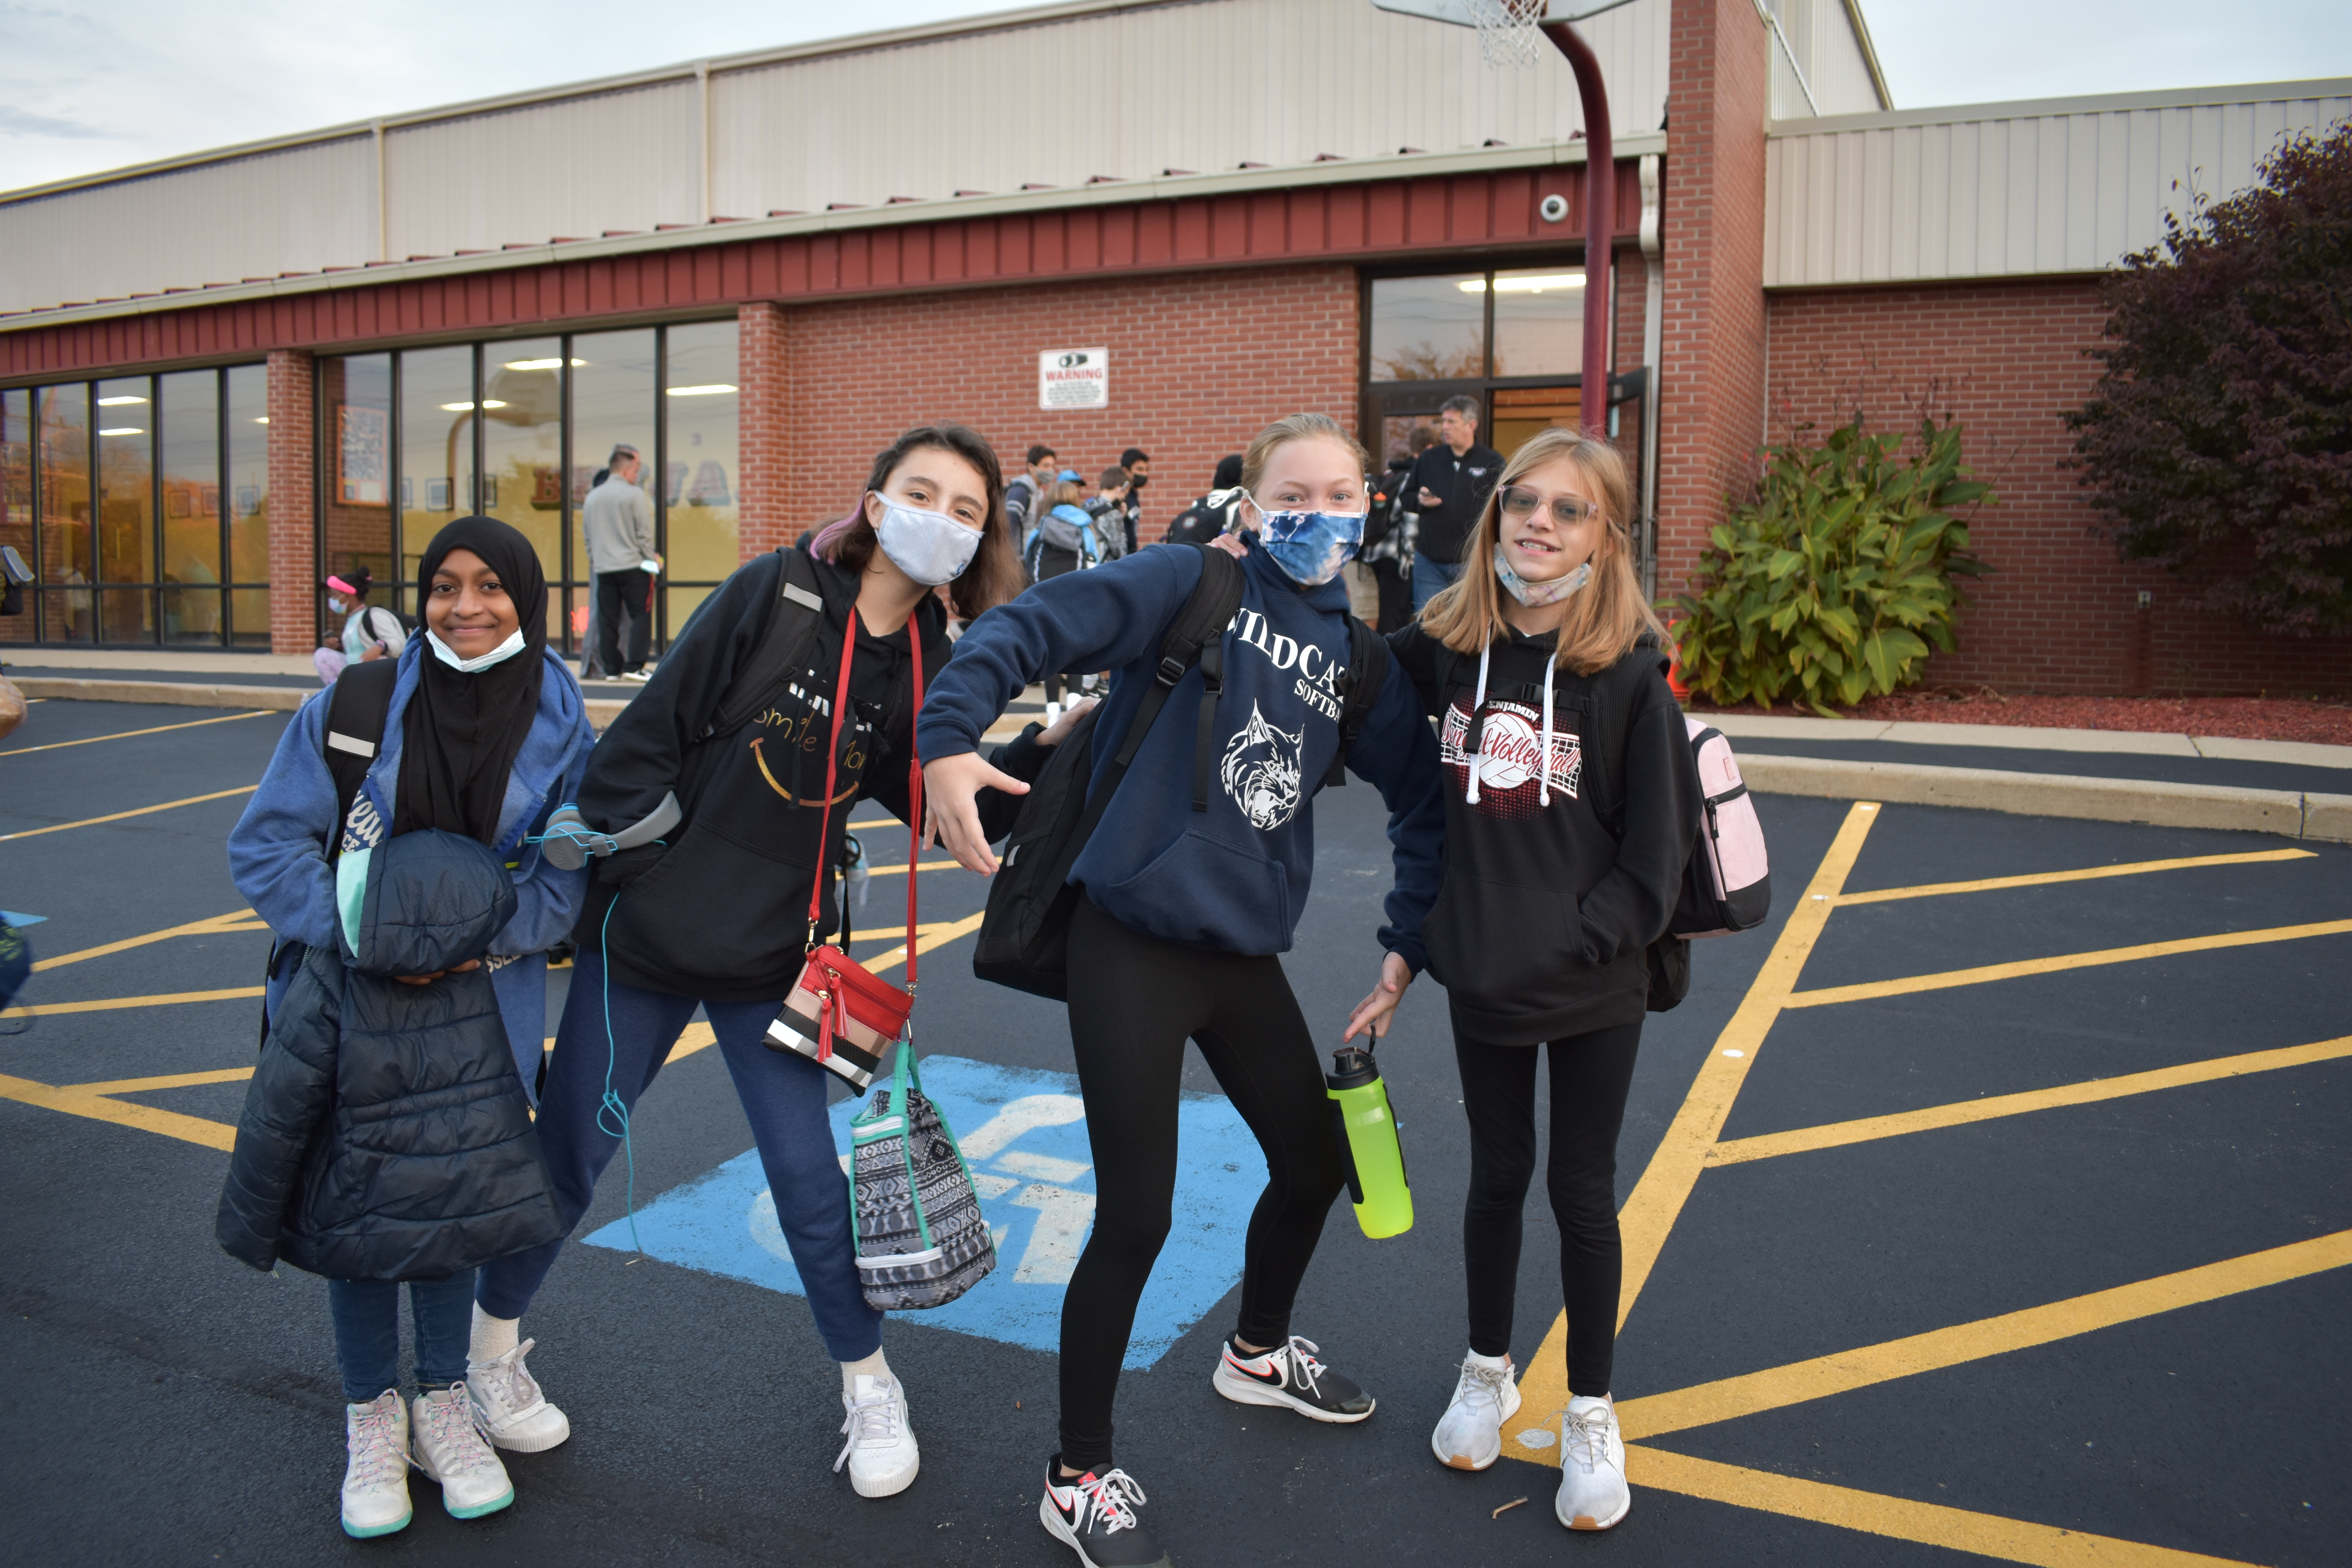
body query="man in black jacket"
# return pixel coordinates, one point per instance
(1448, 486)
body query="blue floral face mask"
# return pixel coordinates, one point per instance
(1310, 546)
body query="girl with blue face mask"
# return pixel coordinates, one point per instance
(1184, 909)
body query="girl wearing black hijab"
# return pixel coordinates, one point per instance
(485, 736)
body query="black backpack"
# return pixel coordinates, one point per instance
(1024, 935)
(1198, 523)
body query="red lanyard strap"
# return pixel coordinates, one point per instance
(914, 788)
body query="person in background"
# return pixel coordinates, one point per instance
(1066, 540)
(1138, 464)
(619, 524)
(369, 631)
(1390, 539)
(1449, 484)
(1214, 513)
(1023, 497)
(1114, 524)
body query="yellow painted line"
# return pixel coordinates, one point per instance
(1836, 1134)
(52, 1009)
(127, 734)
(1666, 1186)
(235, 921)
(901, 871)
(119, 816)
(1778, 1387)
(927, 938)
(696, 1037)
(79, 1102)
(144, 1085)
(2089, 874)
(1931, 1524)
(2062, 963)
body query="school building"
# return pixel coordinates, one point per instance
(1099, 224)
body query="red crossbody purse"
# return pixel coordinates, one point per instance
(839, 1015)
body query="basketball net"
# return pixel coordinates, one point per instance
(1508, 30)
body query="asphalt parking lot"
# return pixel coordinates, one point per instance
(1995, 1198)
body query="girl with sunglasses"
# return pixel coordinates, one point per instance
(1571, 814)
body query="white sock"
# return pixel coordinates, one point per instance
(1490, 1361)
(493, 1337)
(872, 1366)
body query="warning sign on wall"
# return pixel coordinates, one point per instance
(1074, 378)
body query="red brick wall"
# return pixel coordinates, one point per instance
(2059, 612)
(764, 449)
(1712, 225)
(293, 504)
(1199, 364)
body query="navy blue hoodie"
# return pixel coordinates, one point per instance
(1235, 877)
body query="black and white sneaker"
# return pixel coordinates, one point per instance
(1290, 1377)
(1094, 1516)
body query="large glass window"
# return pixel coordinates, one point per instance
(522, 444)
(1539, 322)
(1429, 329)
(700, 482)
(615, 387)
(61, 417)
(17, 498)
(355, 461)
(247, 488)
(188, 415)
(126, 509)
(436, 453)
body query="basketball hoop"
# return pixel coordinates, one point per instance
(1509, 31)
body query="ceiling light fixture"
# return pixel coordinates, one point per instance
(1524, 285)
(713, 390)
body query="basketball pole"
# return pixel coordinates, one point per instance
(1600, 223)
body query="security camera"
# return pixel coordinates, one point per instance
(1554, 208)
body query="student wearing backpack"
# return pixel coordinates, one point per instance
(712, 786)
(350, 1127)
(1192, 884)
(369, 631)
(1571, 812)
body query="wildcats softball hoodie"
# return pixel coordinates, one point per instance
(1233, 878)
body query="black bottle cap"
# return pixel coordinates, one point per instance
(1352, 1067)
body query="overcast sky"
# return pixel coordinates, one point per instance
(87, 85)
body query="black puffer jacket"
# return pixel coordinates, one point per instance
(385, 1135)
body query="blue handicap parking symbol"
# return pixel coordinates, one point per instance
(1025, 1136)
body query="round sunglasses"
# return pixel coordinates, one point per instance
(1517, 501)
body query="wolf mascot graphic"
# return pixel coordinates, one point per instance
(1261, 771)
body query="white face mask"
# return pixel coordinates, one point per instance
(1550, 592)
(929, 546)
(498, 655)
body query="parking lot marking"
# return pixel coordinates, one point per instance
(120, 815)
(927, 937)
(2088, 874)
(1778, 1387)
(112, 1004)
(1930, 1524)
(83, 1100)
(127, 734)
(1836, 1134)
(211, 925)
(2059, 964)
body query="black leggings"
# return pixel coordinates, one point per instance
(1133, 1001)
(1590, 1076)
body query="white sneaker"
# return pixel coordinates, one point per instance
(444, 1441)
(881, 1452)
(639, 676)
(1593, 1490)
(375, 1477)
(1469, 1436)
(515, 1414)
(1052, 714)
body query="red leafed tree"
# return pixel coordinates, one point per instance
(2219, 442)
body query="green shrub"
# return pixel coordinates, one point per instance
(1832, 585)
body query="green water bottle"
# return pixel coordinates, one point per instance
(1369, 1152)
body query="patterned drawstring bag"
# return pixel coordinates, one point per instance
(921, 1240)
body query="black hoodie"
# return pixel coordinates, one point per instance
(1540, 927)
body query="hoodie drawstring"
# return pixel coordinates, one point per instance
(1477, 729)
(1543, 790)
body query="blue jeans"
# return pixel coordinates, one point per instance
(784, 1096)
(367, 1331)
(1431, 577)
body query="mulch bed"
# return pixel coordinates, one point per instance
(2239, 717)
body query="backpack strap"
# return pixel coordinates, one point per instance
(784, 649)
(1197, 635)
(1361, 689)
(358, 706)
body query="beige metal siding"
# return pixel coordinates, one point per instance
(1822, 69)
(576, 167)
(294, 211)
(2070, 190)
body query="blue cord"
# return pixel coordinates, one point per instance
(613, 1105)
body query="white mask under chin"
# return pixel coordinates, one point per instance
(498, 655)
(929, 546)
(1535, 594)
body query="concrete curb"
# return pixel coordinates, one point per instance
(2287, 813)
(177, 693)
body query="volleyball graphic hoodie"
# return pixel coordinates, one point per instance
(1233, 878)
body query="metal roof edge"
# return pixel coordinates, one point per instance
(2098, 103)
(654, 76)
(1338, 172)
(1869, 55)
(2056, 275)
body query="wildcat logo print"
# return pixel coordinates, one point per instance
(1261, 771)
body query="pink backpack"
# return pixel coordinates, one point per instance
(1728, 886)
